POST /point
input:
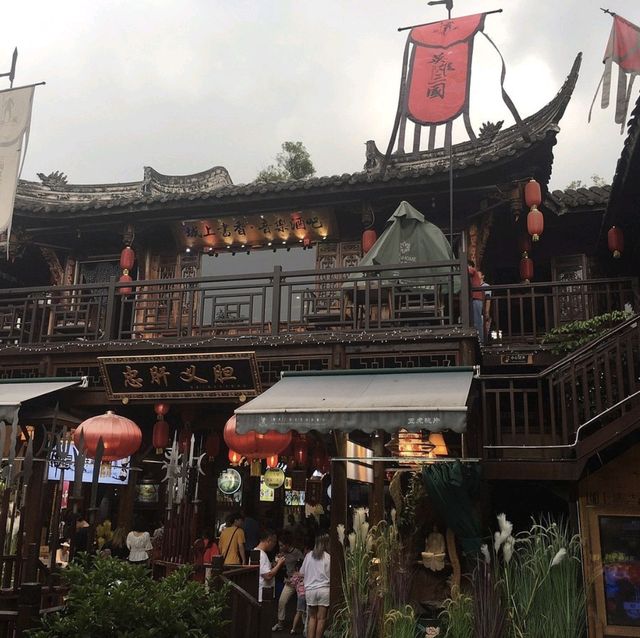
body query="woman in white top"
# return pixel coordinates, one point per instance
(315, 570)
(139, 544)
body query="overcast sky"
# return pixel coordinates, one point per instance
(184, 85)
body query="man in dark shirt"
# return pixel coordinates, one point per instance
(291, 556)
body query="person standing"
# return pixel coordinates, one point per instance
(297, 580)
(232, 541)
(315, 571)
(291, 557)
(477, 299)
(267, 572)
(139, 544)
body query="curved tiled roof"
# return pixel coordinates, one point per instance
(592, 198)
(39, 200)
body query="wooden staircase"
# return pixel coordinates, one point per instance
(546, 426)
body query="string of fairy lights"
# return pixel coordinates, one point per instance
(364, 336)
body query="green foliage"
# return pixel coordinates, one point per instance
(596, 180)
(571, 336)
(109, 597)
(400, 623)
(294, 162)
(538, 578)
(542, 584)
(457, 616)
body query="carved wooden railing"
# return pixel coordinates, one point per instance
(551, 414)
(369, 298)
(524, 313)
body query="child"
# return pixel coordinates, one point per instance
(297, 580)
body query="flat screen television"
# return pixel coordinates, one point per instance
(111, 473)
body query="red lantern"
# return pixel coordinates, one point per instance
(300, 451)
(212, 445)
(532, 194)
(255, 445)
(234, 457)
(127, 258)
(306, 242)
(161, 408)
(121, 436)
(526, 268)
(160, 435)
(615, 241)
(524, 243)
(272, 461)
(369, 238)
(125, 290)
(535, 223)
(184, 439)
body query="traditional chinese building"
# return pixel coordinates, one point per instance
(233, 286)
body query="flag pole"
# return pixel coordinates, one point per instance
(426, 24)
(12, 73)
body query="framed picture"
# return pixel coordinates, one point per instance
(147, 493)
(287, 483)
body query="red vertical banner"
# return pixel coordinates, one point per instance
(440, 69)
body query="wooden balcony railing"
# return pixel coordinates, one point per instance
(523, 313)
(548, 414)
(418, 296)
(371, 298)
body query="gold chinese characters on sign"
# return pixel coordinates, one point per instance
(229, 374)
(257, 231)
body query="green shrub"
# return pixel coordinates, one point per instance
(571, 336)
(109, 597)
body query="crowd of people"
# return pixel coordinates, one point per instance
(294, 562)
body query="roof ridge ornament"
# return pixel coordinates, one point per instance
(54, 180)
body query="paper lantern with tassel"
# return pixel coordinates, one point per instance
(615, 241)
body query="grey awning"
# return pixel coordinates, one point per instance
(421, 398)
(14, 392)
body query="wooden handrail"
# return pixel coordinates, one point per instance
(585, 350)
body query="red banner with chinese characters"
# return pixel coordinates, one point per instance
(440, 71)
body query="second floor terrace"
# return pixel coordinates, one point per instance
(365, 303)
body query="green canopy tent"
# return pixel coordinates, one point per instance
(410, 239)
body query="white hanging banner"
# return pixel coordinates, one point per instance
(15, 118)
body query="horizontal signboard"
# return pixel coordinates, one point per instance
(198, 376)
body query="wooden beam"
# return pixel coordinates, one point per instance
(338, 516)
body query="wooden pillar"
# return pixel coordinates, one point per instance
(126, 499)
(376, 504)
(338, 516)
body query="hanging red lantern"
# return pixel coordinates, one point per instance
(535, 223)
(526, 268)
(272, 461)
(212, 445)
(161, 408)
(160, 437)
(125, 277)
(524, 243)
(532, 193)
(184, 439)
(300, 451)
(615, 241)
(369, 238)
(127, 258)
(255, 445)
(121, 436)
(234, 457)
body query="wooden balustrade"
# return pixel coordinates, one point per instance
(539, 415)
